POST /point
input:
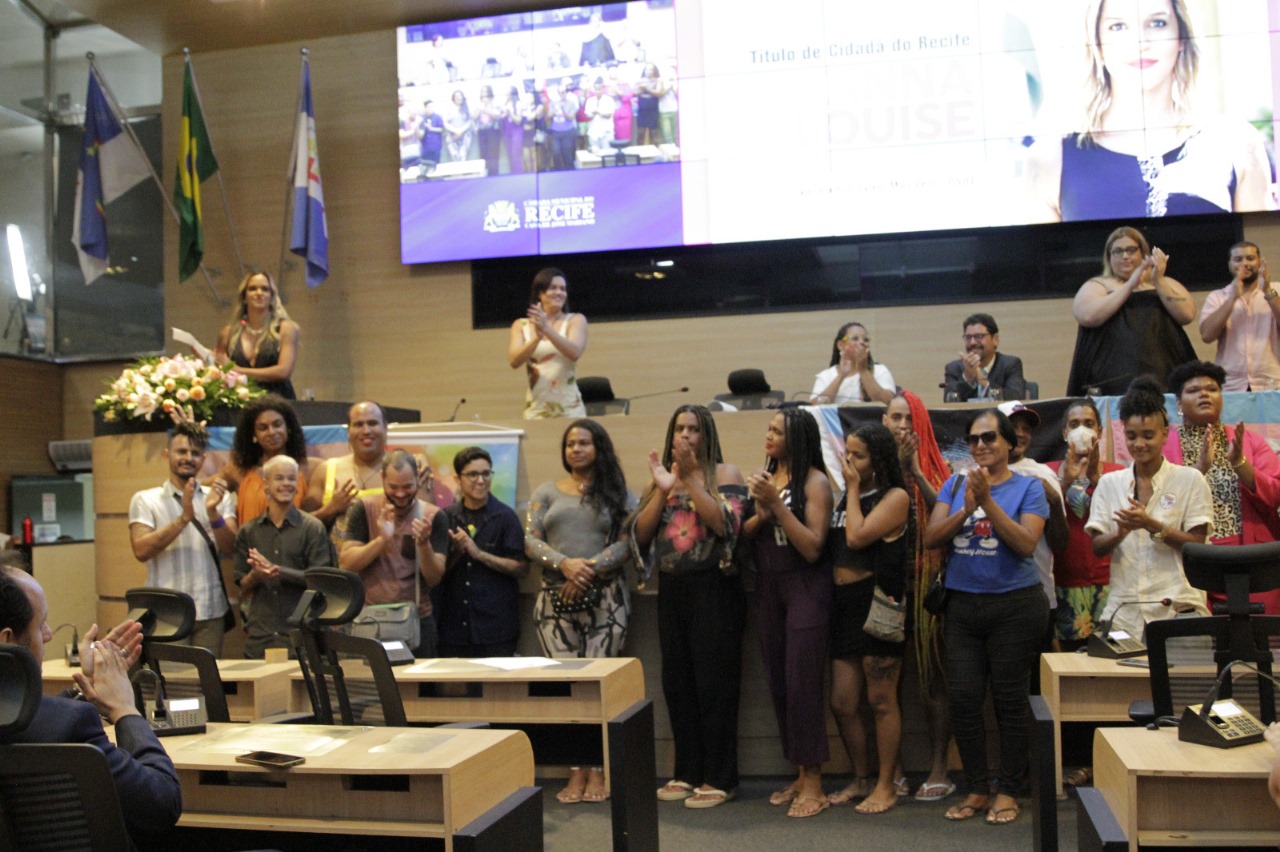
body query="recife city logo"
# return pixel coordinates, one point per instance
(540, 213)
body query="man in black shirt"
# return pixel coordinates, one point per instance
(478, 614)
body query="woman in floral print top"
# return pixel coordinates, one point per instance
(688, 523)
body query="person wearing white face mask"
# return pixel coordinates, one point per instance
(1081, 578)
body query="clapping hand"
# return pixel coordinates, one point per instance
(663, 479)
(760, 488)
(421, 530)
(1159, 262)
(1235, 452)
(262, 567)
(106, 683)
(465, 542)
(684, 464)
(215, 490)
(127, 636)
(977, 489)
(1133, 518)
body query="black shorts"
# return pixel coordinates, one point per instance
(849, 611)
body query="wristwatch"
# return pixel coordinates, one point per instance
(1270, 295)
(1158, 537)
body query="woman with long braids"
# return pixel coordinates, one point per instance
(574, 532)
(924, 470)
(689, 520)
(792, 501)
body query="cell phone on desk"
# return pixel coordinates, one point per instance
(270, 759)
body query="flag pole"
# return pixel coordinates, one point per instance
(289, 191)
(124, 123)
(222, 188)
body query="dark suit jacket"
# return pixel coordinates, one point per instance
(146, 781)
(1005, 373)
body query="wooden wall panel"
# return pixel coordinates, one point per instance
(31, 402)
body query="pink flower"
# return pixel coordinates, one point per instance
(684, 530)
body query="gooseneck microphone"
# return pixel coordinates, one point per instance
(660, 393)
(1101, 644)
(454, 416)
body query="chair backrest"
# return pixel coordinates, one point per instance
(755, 401)
(52, 796)
(364, 690)
(595, 389)
(1033, 390)
(59, 796)
(1172, 641)
(208, 683)
(20, 689)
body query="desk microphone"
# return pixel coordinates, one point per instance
(1100, 643)
(454, 416)
(660, 393)
(72, 651)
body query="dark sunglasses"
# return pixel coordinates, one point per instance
(988, 438)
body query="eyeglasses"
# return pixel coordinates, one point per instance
(1125, 251)
(975, 338)
(477, 475)
(988, 438)
(847, 339)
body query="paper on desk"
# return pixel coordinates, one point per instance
(511, 664)
(302, 740)
(414, 742)
(190, 339)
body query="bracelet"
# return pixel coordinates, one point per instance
(218, 524)
(1271, 295)
(1237, 465)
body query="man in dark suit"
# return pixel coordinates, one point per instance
(980, 369)
(145, 779)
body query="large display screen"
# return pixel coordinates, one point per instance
(683, 122)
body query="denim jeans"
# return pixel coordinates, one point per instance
(993, 639)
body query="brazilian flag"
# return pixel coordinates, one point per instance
(196, 163)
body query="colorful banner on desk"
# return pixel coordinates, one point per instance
(439, 447)
(1260, 413)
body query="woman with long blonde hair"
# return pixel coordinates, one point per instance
(1140, 148)
(261, 339)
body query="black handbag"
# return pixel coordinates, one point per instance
(589, 599)
(935, 599)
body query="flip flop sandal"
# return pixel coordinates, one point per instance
(674, 791)
(993, 817)
(902, 786)
(842, 796)
(960, 813)
(708, 798)
(785, 796)
(934, 792)
(795, 813)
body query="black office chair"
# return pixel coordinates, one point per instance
(1033, 390)
(1238, 628)
(597, 396)
(749, 391)
(168, 616)
(51, 796)
(333, 599)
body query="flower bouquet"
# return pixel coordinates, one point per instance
(180, 384)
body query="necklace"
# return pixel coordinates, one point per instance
(582, 484)
(363, 477)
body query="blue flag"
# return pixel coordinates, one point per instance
(110, 164)
(310, 235)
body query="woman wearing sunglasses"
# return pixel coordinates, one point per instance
(996, 609)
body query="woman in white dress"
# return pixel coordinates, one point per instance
(548, 342)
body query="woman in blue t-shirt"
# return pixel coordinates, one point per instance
(997, 612)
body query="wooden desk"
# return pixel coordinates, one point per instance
(437, 783)
(604, 694)
(1168, 793)
(579, 692)
(1080, 688)
(254, 688)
